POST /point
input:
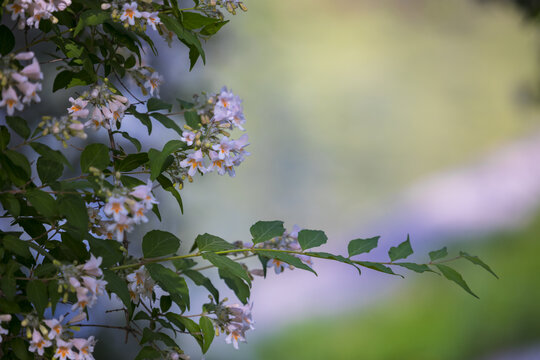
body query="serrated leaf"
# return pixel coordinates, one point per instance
(95, 155)
(311, 238)
(266, 230)
(360, 246)
(158, 243)
(171, 282)
(402, 251)
(476, 260)
(454, 276)
(223, 262)
(438, 254)
(207, 328)
(287, 258)
(207, 242)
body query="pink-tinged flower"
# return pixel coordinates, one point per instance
(56, 327)
(114, 111)
(240, 143)
(29, 91)
(130, 12)
(92, 266)
(194, 161)
(242, 315)
(29, 55)
(11, 101)
(20, 79)
(85, 347)
(216, 163)
(94, 285)
(234, 336)
(238, 120)
(229, 167)
(38, 343)
(115, 207)
(224, 147)
(138, 210)
(120, 227)
(153, 83)
(151, 18)
(188, 137)
(144, 193)
(33, 71)
(17, 9)
(63, 350)
(278, 265)
(140, 283)
(97, 120)
(78, 108)
(84, 299)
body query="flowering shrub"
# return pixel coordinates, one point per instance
(65, 240)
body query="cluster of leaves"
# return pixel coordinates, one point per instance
(48, 224)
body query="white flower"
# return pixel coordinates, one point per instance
(4, 318)
(216, 163)
(17, 9)
(188, 137)
(95, 285)
(25, 55)
(63, 350)
(228, 107)
(151, 18)
(56, 327)
(11, 101)
(91, 267)
(38, 343)
(138, 210)
(144, 193)
(130, 12)
(224, 147)
(234, 336)
(115, 207)
(85, 347)
(153, 83)
(120, 227)
(83, 299)
(32, 71)
(194, 161)
(78, 108)
(29, 91)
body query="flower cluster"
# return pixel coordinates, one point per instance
(31, 12)
(42, 337)
(62, 128)
(217, 112)
(85, 281)
(127, 208)
(211, 6)
(234, 320)
(140, 284)
(133, 14)
(100, 106)
(19, 84)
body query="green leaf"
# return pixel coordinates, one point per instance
(158, 158)
(21, 162)
(132, 161)
(73, 207)
(186, 323)
(192, 119)
(212, 28)
(148, 352)
(207, 328)
(68, 79)
(266, 230)
(172, 283)
(167, 122)
(201, 280)
(18, 124)
(207, 242)
(133, 140)
(167, 185)
(185, 36)
(143, 118)
(193, 20)
(7, 40)
(155, 104)
(5, 136)
(419, 268)
(117, 285)
(42, 202)
(11, 204)
(49, 153)
(16, 246)
(454, 276)
(165, 303)
(287, 258)
(438, 254)
(360, 246)
(48, 170)
(339, 258)
(311, 238)
(240, 288)
(20, 348)
(223, 262)
(158, 243)
(402, 251)
(96, 155)
(377, 267)
(149, 335)
(91, 18)
(36, 291)
(109, 250)
(476, 260)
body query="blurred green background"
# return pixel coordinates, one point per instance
(350, 105)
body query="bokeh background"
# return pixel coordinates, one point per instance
(377, 118)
